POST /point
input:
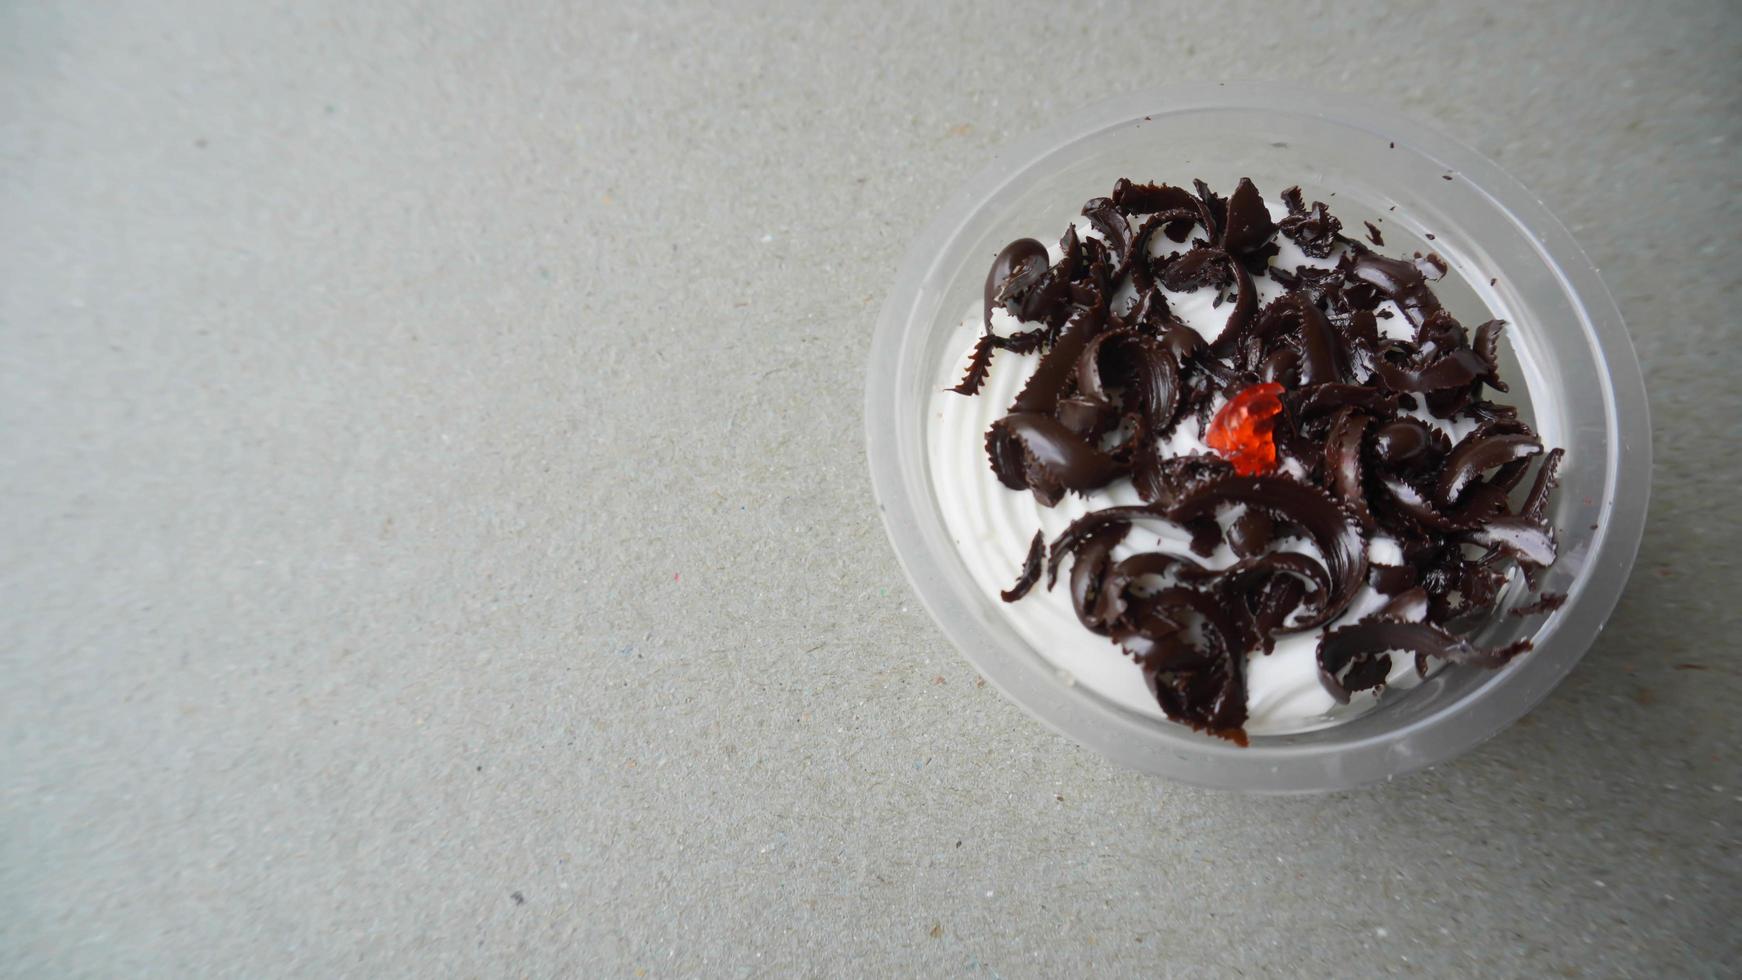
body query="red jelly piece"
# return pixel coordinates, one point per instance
(1243, 431)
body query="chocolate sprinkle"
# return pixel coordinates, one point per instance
(1355, 454)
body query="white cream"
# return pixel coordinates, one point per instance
(992, 526)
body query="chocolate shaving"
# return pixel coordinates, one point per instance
(1183, 209)
(1089, 569)
(1325, 399)
(1116, 584)
(1343, 463)
(1034, 451)
(1115, 377)
(1455, 370)
(1401, 440)
(1104, 216)
(1247, 229)
(1546, 603)
(979, 363)
(1214, 208)
(1526, 540)
(1245, 305)
(1196, 268)
(1251, 533)
(1147, 371)
(1275, 601)
(1018, 266)
(1414, 504)
(1314, 229)
(1546, 478)
(1310, 600)
(1395, 279)
(1487, 348)
(1202, 685)
(1170, 478)
(1030, 569)
(1022, 342)
(1059, 365)
(1356, 658)
(1470, 458)
(1324, 357)
(1339, 541)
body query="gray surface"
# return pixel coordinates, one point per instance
(437, 536)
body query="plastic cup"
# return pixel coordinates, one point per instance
(1568, 356)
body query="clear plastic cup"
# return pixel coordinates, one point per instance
(1572, 367)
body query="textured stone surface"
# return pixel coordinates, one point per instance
(437, 538)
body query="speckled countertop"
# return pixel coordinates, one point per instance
(437, 537)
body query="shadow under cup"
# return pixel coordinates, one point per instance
(1566, 354)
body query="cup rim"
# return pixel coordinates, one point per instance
(1091, 721)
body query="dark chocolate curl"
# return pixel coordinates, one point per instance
(1195, 269)
(1203, 687)
(1487, 347)
(1324, 399)
(1062, 456)
(1455, 370)
(1525, 540)
(1114, 599)
(1395, 279)
(1086, 417)
(1242, 578)
(1049, 297)
(1323, 358)
(1248, 226)
(1315, 230)
(1537, 502)
(1350, 657)
(1349, 671)
(1088, 570)
(1476, 455)
(1270, 605)
(1151, 638)
(1343, 464)
(1057, 366)
(1251, 533)
(978, 364)
(1239, 318)
(1106, 219)
(1030, 569)
(1392, 579)
(1150, 198)
(1411, 502)
(1339, 541)
(1401, 440)
(1146, 369)
(1016, 268)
